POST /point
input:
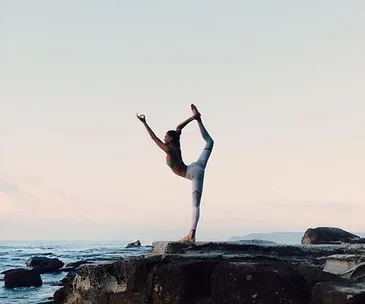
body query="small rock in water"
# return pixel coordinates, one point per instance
(134, 244)
(22, 278)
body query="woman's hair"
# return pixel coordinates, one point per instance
(175, 138)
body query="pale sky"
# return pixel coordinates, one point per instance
(281, 89)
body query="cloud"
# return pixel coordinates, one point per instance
(25, 198)
(31, 211)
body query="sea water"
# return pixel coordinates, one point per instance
(14, 255)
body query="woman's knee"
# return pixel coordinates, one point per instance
(209, 144)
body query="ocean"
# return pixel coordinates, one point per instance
(14, 255)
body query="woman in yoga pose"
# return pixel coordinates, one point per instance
(195, 171)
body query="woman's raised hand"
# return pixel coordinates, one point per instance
(141, 117)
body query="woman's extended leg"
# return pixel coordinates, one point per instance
(209, 142)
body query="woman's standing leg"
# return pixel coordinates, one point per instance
(198, 179)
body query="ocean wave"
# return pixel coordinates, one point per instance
(15, 254)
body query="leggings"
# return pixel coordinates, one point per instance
(195, 172)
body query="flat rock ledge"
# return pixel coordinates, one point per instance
(223, 272)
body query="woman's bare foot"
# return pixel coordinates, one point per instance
(195, 111)
(190, 238)
(187, 239)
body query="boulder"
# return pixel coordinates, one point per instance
(134, 244)
(328, 235)
(356, 273)
(38, 260)
(22, 278)
(44, 264)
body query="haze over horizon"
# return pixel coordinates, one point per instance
(280, 87)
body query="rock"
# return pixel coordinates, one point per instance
(265, 283)
(35, 261)
(22, 278)
(334, 293)
(134, 244)
(93, 283)
(302, 254)
(78, 263)
(357, 241)
(357, 273)
(341, 263)
(314, 275)
(222, 272)
(44, 264)
(182, 282)
(328, 235)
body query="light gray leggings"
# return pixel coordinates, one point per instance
(195, 172)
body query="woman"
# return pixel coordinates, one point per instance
(195, 171)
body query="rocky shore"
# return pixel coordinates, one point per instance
(227, 272)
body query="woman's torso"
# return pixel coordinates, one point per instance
(175, 162)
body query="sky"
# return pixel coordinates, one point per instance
(280, 85)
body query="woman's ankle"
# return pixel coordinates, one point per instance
(192, 233)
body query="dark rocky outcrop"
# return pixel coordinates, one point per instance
(335, 293)
(44, 264)
(232, 272)
(22, 278)
(135, 244)
(182, 281)
(328, 235)
(38, 260)
(266, 283)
